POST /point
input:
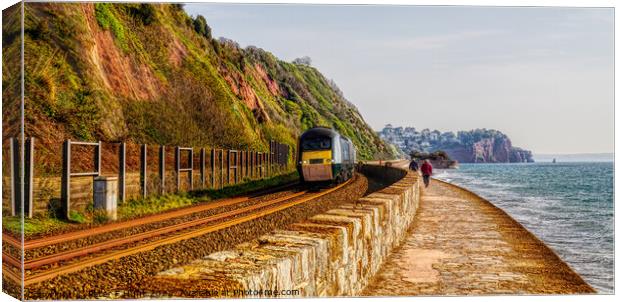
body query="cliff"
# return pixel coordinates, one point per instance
(150, 73)
(474, 146)
(490, 150)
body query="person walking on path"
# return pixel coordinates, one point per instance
(413, 165)
(427, 171)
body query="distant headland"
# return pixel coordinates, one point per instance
(473, 146)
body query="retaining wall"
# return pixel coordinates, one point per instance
(331, 254)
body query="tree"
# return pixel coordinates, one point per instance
(201, 26)
(144, 12)
(305, 60)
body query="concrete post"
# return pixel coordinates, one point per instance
(105, 195)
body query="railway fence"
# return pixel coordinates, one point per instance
(142, 171)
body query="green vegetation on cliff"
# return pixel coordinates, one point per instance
(152, 74)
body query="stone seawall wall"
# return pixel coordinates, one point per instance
(331, 254)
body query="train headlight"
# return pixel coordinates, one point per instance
(333, 161)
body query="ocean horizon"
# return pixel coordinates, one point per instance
(574, 157)
(568, 205)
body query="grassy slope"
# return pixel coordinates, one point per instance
(143, 73)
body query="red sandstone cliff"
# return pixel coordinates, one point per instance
(489, 150)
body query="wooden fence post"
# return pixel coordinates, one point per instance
(253, 164)
(228, 168)
(221, 168)
(212, 168)
(143, 163)
(66, 178)
(271, 149)
(202, 167)
(162, 168)
(258, 164)
(240, 164)
(121, 171)
(177, 164)
(247, 161)
(98, 158)
(14, 160)
(191, 169)
(237, 166)
(29, 177)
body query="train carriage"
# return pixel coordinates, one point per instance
(325, 156)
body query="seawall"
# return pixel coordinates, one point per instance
(331, 254)
(461, 244)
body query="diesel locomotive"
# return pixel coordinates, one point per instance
(325, 156)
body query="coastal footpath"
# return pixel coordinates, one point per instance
(461, 244)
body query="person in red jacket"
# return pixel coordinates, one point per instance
(427, 171)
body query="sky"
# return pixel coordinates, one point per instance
(542, 75)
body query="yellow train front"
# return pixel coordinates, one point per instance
(325, 156)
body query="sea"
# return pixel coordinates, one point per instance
(570, 206)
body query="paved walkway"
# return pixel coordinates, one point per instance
(460, 244)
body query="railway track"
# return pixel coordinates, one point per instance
(50, 266)
(60, 238)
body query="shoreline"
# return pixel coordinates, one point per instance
(532, 235)
(568, 206)
(466, 245)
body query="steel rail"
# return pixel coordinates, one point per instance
(10, 274)
(66, 255)
(73, 267)
(6, 258)
(46, 241)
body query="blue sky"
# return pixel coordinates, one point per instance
(542, 75)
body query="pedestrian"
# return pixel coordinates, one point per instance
(427, 171)
(413, 165)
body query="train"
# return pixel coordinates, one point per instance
(325, 156)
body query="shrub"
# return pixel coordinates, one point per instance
(201, 27)
(100, 216)
(76, 217)
(144, 12)
(305, 60)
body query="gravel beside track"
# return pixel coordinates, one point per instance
(69, 228)
(10, 250)
(70, 245)
(10, 288)
(122, 278)
(136, 243)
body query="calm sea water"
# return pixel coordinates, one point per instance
(567, 205)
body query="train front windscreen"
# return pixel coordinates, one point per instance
(317, 143)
